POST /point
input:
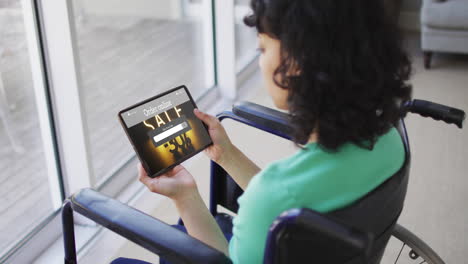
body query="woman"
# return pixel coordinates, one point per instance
(338, 67)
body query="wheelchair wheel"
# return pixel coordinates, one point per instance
(418, 251)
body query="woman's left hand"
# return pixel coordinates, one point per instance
(177, 184)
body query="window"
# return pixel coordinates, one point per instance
(132, 50)
(66, 69)
(28, 178)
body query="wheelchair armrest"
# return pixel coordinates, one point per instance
(142, 229)
(261, 117)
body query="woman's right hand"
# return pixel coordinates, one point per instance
(222, 145)
(177, 184)
(223, 152)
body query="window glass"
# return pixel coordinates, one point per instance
(129, 51)
(25, 197)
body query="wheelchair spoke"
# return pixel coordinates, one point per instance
(419, 251)
(399, 254)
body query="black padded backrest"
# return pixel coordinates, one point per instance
(378, 211)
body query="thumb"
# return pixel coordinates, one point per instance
(209, 120)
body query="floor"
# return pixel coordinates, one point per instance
(435, 207)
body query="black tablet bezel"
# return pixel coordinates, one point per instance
(122, 122)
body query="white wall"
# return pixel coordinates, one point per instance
(160, 9)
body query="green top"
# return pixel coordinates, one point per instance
(311, 178)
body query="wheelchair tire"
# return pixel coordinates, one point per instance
(417, 245)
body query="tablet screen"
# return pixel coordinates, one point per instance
(164, 130)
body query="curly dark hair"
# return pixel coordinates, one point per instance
(353, 69)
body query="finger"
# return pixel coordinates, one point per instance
(178, 168)
(146, 180)
(210, 120)
(142, 175)
(172, 172)
(141, 170)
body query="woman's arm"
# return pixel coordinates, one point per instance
(179, 185)
(223, 152)
(200, 223)
(239, 166)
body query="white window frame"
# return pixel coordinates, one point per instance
(42, 102)
(225, 49)
(229, 76)
(65, 81)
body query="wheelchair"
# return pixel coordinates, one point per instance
(357, 233)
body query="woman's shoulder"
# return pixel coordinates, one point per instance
(306, 159)
(388, 151)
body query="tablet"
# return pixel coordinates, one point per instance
(164, 131)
